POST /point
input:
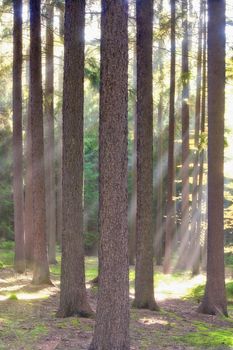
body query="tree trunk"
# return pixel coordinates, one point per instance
(73, 297)
(214, 301)
(159, 229)
(41, 268)
(144, 279)
(184, 229)
(49, 137)
(19, 263)
(195, 237)
(112, 316)
(170, 219)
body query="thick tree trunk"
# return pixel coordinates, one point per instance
(170, 219)
(49, 137)
(73, 297)
(144, 279)
(41, 267)
(19, 263)
(214, 301)
(112, 316)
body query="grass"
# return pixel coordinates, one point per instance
(22, 326)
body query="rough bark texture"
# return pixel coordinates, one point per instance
(184, 230)
(112, 316)
(214, 300)
(19, 263)
(170, 219)
(73, 298)
(41, 268)
(144, 279)
(49, 137)
(133, 204)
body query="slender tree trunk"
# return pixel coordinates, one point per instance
(170, 219)
(159, 230)
(144, 280)
(19, 263)
(202, 151)
(41, 267)
(49, 137)
(185, 141)
(112, 316)
(73, 297)
(195, 237)
(28, 206)
(214, 301)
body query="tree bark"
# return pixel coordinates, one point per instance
(112, 316)
(41, 267)
(195, 237)
(170, 219)
(49, 136)
(144, 279)
(73, 297)
(184, 229)
(19, 263)
(214, 301)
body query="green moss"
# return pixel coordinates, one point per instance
(38, 331)
(207, 338)
(13, 297)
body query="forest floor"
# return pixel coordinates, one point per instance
(28, 314)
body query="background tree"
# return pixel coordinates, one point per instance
(185, 76)
(170, 210)
(17, 141)
(41, 267)
(73, 297)
(112, 315)
(49, 134)
(214, 301)
(144, 283)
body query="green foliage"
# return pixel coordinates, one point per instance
(197, 293)
(92, 71)
(207, 336)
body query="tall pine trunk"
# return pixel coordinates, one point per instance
(214, 301)
(112, 316)
(41, 267)
(144, 278)
(19, 263)
(73, 297)
(170, 219)
(184, 229)
(49, 136)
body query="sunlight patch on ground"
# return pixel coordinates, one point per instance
(172, 289)
(152, 320)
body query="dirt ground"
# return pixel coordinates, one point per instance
(28, 321)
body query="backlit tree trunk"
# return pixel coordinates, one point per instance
(73, 297)
(19, 263)
(170, 219)
(41, 268)
(49, 136)
(214, 301)
(112, 316)
(144, 279)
